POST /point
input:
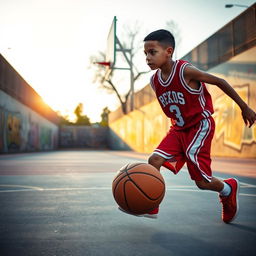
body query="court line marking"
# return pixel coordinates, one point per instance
(172, 188)
(20, 186)
(205, 191)
(242, 184)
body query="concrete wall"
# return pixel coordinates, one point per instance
(232, 137)
(142, 129)
(22, 129)
(229, 53)
(15, 86)
(26, 122)
(83, 137)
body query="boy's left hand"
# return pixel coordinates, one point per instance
(249, 116)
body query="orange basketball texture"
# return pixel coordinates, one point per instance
(138, 188)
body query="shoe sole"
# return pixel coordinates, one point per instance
(150, 216)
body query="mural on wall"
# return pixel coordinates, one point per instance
(140, 130)
(20, 132)
(14, 127)
(33, 135)
(1, 130)
(10, 131)
(229, 122)
(232, 137)
(45, 138)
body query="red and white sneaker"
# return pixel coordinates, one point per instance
(230, 205)
(151, 215)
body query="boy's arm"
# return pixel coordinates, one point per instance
(192, 73)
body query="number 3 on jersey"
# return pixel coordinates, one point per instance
(175, 109)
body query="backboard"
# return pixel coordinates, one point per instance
(111, 44)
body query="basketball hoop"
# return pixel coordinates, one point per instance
(103, 63)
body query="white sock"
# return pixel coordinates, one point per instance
(226, 190)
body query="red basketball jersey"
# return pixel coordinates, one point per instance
(184, 105)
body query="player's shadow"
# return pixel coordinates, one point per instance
(243, 227)
(187, 245)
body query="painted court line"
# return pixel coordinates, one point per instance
(20, 186)
(172, 188)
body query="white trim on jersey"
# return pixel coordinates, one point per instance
(169, 79)
(200, 91)
(163, 154)
(201, 97)
(197, 143)
(206, 113)
(183, 81)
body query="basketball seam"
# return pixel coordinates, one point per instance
(125, 170)
(127, 174)
(149, 174)
(125, 198)
(153, 199)
(126, 201)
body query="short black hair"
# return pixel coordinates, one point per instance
(163, 36)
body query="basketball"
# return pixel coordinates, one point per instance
(138, 188)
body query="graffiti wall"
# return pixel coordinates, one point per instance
(232, 136)
(22, 129)
(142, 129)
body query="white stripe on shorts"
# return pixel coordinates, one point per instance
(162, 154)
(197, 143)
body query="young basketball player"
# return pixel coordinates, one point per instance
(183, 96)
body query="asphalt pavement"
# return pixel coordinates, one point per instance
(60, 204)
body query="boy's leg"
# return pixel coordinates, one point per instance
(198, 144)
(156, 160)
(168, 150)
(214, 185)
(169, 153)
(228, 194)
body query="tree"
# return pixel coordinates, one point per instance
(104, 117)
(173, 27)
(64, 120)
(106, 81)
(81, 119)
(134, 45)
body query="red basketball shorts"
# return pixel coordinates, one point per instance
(193, 146)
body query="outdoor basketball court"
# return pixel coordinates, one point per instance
(60, 203)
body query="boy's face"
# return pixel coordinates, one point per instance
(156, 54)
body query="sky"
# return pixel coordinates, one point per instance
(50, 42)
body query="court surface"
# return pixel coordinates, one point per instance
(60, 203)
